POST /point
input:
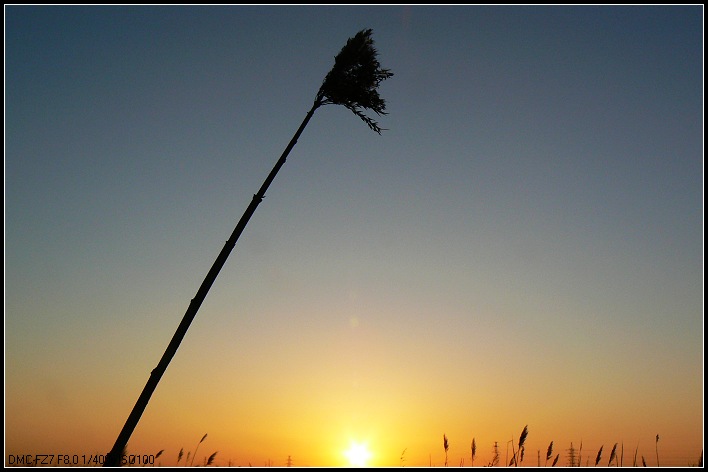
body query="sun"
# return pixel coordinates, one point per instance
(358, 454)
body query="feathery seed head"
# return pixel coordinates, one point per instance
(354, 79)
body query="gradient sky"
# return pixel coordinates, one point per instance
(523, 246)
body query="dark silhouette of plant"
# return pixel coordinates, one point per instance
(599, 455)
(446, 445)
(354, 79)
(352, 82)
(158, 455)
(522, 439)
(196, 449)
(210, 461)
(613, 455)
(474, 451)
(549, 453)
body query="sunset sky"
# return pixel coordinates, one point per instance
(522, 246)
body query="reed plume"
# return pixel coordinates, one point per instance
(446, 445)
(599, 455)
(522, 440)
(474, 451)
(195, 449)
(613, 454)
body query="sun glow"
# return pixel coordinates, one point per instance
(358, 454)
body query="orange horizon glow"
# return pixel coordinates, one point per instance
(333, 442)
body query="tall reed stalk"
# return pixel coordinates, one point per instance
(353, 83)
(196, 448)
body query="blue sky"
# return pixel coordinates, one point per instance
(534, 211)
